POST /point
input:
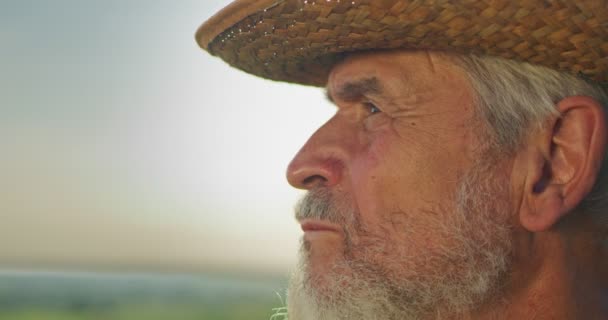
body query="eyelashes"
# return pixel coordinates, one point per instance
(371, 108)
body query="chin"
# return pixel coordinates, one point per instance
(323, 290)
(320, 261)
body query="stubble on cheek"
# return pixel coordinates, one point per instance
(410, 225)
(405, 240)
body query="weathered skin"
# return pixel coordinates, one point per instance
(399, 164)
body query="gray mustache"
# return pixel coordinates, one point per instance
(318, 204)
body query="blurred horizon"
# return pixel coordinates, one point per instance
(87, 295)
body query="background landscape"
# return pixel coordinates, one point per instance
(67, 296)
(140, 177)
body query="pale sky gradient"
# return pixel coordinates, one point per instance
(124, 145)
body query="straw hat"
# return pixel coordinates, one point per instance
(299, 40)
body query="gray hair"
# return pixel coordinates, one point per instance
(514, 98)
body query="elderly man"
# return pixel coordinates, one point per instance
(463, 175)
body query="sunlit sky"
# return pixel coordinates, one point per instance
(124, 145)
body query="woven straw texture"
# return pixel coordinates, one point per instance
(299, 40)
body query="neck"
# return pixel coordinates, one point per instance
(555, 277)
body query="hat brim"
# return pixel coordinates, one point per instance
(298, 41)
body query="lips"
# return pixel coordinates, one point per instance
(317, 226)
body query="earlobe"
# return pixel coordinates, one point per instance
(562, 162)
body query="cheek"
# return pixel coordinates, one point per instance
(377, 179)
(396, 183)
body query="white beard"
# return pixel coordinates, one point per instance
(450, 280)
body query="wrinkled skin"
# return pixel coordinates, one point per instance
(390, 166)
(392, 160)
(399, 165)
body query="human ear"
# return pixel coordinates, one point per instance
(566, 157)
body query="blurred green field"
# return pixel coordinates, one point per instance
(34, 296)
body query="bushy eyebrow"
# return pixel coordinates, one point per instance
(352, 91)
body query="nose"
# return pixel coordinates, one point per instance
(322, 159)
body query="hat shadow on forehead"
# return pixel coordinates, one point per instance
(299, 40)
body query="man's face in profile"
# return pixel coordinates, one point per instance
(406, 207)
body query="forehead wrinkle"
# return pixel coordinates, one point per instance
(429, 57)
(354, 90)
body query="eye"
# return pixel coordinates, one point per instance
(371, 108)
